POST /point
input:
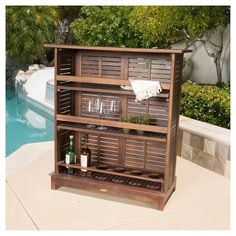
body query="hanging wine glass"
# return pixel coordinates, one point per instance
(97, 107)
(91, 104)
(114, 107)
(102, 112)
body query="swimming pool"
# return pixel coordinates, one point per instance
(24, 124)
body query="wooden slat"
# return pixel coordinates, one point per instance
(174, 123)
(171, 113)
(121, 160)
(92, 168)
(67, 63)
(109, 123)
(92, 144)
(156, 155)
(111, 67)
(135, 153)
(115, 133)
(106, 98)
(97, 80)
(78, 64)
(113, 90)
(156, 109)
(146, 50)
(57, 143)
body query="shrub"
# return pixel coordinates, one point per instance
(27, 29)
(105, 26)
(208, 103)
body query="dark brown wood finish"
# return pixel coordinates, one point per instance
(97, 80)
(117, 50)
(175, 118)
(156, 198)
(170, 116)
(83, 73)
(56, 104)
(110, 123)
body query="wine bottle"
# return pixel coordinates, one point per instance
(70, 155)
(85, 158)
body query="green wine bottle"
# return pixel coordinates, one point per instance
(70, 155)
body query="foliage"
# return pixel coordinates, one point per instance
(208, 103)
(27, 29)
(130, 119)
(69, 12)
(105, 26)
(162, 26)
(144, 120)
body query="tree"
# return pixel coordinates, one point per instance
(27, 29)
(105, 26)
(69, 12)
(165, 25)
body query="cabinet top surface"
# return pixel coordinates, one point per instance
(114, 49)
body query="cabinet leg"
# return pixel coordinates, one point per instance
(160, 204)
(54, 186)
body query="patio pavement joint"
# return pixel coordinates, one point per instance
(18, 199)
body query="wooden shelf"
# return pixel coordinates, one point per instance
(117, 132)
(102, 89)
(111, 172)
(98, 80)
(110, 123)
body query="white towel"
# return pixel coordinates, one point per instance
(144, 89)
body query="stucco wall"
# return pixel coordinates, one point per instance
(202, 66)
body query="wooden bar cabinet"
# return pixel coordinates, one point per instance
(139, 167)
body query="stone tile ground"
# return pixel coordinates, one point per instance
(196, 204)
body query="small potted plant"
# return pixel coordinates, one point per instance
(128, 119)
(143, 120)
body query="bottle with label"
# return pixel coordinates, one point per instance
(70, 155)
(85, 158)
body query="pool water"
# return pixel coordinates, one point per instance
(24, 124)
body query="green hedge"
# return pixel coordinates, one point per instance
(208, 103)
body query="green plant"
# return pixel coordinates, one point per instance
(208, 103)
(162, 26)
(143, 120)
(129, 119)
(105, 26)
(27, 29)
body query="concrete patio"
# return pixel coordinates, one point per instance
(201, 200)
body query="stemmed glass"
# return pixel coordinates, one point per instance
(114, 108)
(104, 107)
(91, 110)
(103, 110)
